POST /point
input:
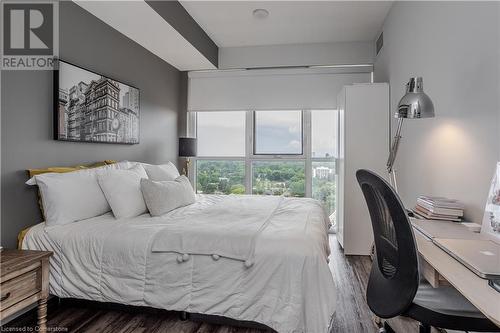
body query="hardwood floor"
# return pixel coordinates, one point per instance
(352, 315)
(350, 274)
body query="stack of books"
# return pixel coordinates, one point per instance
(439, 208)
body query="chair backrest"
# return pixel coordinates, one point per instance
(394, 277)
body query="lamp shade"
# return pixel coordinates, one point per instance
(415, 103)
(187, 147)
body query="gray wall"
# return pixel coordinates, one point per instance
(183, 99)
(27, 113)
(340, 53)
(454, 46)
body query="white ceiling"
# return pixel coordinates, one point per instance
(139, 22)
(231, 23)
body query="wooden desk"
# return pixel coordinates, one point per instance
(471, 286)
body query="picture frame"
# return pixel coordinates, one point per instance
(92, 107)
(491, 218)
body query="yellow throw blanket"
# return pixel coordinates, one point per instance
(20, 237)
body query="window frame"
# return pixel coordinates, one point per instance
(250, 156)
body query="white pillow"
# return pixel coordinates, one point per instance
(122, 189)
(73, 196)
(162, 197)
(161, 172)
(118, 165)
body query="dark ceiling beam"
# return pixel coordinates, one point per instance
(175, 14)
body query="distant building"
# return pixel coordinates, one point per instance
(126, 100)
(134, 99)
(130, 100)
(101, 110)
(92, 112)
(129, 125)
(63, 114)
(322, 172)
(75, 109)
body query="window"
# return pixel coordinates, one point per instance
(289, 152)
(221, 133)
(324, 135)
(221, 138)
(278, 132)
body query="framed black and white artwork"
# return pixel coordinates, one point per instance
(90, 107)
(491, 218)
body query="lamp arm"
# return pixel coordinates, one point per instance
(395, 145)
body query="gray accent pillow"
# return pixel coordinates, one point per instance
(164, 196)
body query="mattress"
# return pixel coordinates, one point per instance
(289, 287)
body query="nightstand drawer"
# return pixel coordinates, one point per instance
(24, 280)
(19, 288)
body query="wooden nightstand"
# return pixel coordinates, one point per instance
(24, 280)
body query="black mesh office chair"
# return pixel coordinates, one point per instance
(394, 287)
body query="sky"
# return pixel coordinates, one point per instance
(278, 132)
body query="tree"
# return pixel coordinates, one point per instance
(297, 189)
(238, 189)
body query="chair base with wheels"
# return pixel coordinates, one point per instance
(444, 308)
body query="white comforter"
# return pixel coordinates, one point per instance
(289, 287)
(229, 228)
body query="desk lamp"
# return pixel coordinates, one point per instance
(415, 104)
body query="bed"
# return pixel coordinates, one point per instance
(282, 281)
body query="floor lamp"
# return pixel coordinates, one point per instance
(415, 104)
